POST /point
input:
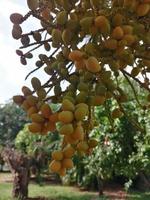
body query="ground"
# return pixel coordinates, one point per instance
(57, 192)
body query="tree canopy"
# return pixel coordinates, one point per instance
(87, 47)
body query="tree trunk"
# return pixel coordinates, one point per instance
(19, 166)
(100, 185)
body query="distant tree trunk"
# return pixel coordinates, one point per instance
(100, 185)
(19, 166)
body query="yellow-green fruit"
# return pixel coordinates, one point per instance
(41, 93)
(117, 33)
(18, 99)
(102, 23)
(127, 29)
(56, 36)
(66, 36)
(67, 105)
(36, 83)
(65, 116)
(116, 113)
(57, 155)
(78, 134)
(68, 152)
(82, 146)
(61, 18)
(33, 4)
(32, 100)
(93, 65)
(143, 9)
(55, 166)
(135, 71)
(80, 113)
(92, 143)
(35, 127)
(130, 39)
(66, 129)
(45, 110)
(86, 23)
(67, 163)
(110, 44)
(76, 55)
(83, 86)
(35, 117)
(81, 105)
(81, 97)
(117, 19)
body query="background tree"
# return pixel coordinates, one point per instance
(12, 119)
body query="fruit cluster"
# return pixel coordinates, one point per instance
(89, 45)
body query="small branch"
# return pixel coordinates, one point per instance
(35, 43)
(133, 89)
(137, 80)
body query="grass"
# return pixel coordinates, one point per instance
(64, 193)
(52, 192)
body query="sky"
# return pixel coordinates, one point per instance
(12, 73)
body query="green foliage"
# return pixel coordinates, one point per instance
(12, 119)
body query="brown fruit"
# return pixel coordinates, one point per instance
(18, 99)
(67, 105)
(93, 65)
(36, 83)
(80, 113)
(116, 113)
(35, 127)
(31, 111)
(26, 91)
(16, 18)
(66, 129)
(62, 172)
(54, 117)
(16, 31)
(117, 33)
(46, 110)
(102, 23)
(76, 55)
(33, 4)
(38, 118)
(143, 9)
(110, 44)
(130, 39)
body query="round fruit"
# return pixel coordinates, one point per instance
(55, 166)
(93, 65)
(57, 155)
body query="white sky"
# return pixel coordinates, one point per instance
(12, 73)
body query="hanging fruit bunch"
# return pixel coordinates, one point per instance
(88, 45)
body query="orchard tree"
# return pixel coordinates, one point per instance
(12, 120)
(88, 46)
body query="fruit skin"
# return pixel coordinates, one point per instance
(65, 116)
(32, 4)
(67, 105)
(78, 134)
(46, 110)
(37, 118)
(66, 129)
(76, 55)
(80, 113)
(143, 9)
(18, 99)
(61, 18)
(57, 155)
(116, 113)
(35, 127)
(16, 18)
(130, 39)
(67, 163)
(93, 65)
(102, 23)
(117, 33)
(55, 166)
(68, 152)
(110, 44)
(92, 143)
(36, 83)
